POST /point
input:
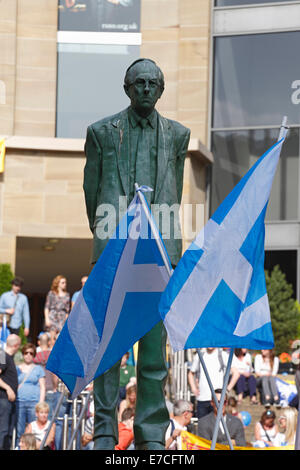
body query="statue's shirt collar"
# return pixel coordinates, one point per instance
(134, 118)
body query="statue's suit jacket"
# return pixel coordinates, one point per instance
(106, 173)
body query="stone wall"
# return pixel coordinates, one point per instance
(28, 31)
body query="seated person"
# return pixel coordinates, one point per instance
(266, 430)
(266, 367)
(125, 429)
(40, 426)
(243, 364)
(183, 412)
(206, 425)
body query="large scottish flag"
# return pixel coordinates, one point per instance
(217, 294)
(118, 303)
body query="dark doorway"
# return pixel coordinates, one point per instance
(39, 260)
(287, 260)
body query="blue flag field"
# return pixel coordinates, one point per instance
(117, 305)
(217, 294)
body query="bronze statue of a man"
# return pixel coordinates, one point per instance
(135, 145)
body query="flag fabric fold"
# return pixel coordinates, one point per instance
(118, 303)
(217, 294)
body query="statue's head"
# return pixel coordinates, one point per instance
(144, 84)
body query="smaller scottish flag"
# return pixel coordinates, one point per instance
(4, 333)
(118, 303)
(217, 294)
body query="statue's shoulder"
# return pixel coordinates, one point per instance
(103, 124)
(178, 128)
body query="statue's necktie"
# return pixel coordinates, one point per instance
(143, 164)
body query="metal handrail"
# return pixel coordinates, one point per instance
(80, 418)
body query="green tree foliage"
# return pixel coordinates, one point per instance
(6, 276)
(284, 311)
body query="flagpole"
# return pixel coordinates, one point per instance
(220, 408)
(283, 128)
(154, 229)
(214, 397)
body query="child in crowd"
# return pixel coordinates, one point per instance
(126, 430)
(27, 442)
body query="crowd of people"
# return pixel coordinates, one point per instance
(29, 392)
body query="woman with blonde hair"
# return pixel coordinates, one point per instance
(288, 425)
(130, 399)
(57, 306)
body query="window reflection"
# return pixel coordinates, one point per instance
(231, 3)
(236, 151)
(256, 80)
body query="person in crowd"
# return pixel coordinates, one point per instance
(266, 367)
(288, 426)
(87, 437)
(27, 442)
(242, 362)
(127, 372)
(169, 405)
(8, 392)
(183, 412)
(39, 427)
(57, 306)
(232, 407)
(130, 399)
(39, 338)
(15, 304)
(51, 380)
(125, 430)
(31, 389)
(266, 430)
(206, 425)
(76, 294)
(215, 360)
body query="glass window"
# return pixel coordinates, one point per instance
(236, 151)
(256, 80)
(231, 3)
(90, 85)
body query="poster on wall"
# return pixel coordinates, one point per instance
(106, 16)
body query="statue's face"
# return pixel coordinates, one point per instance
(144, 90)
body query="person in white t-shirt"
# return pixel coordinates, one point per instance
(215, 360)
(243, 363)
(183, 412)
(266, 367)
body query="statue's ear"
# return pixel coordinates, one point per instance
(126, 89)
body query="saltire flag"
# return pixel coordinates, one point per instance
(217, 294)
(4, 332)
(117, 305)
(2, 155)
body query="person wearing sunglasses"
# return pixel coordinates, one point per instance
(31, 388)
